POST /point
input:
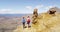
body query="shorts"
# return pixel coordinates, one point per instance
(28, 22)
(23, 23)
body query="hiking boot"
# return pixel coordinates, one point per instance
(29, 26)
(25, 26)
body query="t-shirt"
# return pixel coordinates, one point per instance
(23, 20)
(28, 19)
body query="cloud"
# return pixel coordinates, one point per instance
(4, 10)
(11, 11)
(8, 11)
(48, 7)
(39, 6)
(29, 7)
(28, 10)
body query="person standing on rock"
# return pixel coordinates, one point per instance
(28, 21)
(23, 22)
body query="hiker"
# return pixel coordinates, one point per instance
(28, 21)
(23, 22)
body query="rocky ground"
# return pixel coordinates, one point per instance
(45, 23)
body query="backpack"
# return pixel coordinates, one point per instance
(28, 20)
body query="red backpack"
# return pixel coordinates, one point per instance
(28, 20)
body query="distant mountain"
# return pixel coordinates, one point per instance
(11, 15)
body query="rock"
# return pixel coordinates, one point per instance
(35, 12)
(52, 11)
(35, 15)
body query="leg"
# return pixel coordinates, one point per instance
(29, 25)
(23, 24)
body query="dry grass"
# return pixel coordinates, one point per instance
(46, 23)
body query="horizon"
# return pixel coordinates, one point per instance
(26, 6)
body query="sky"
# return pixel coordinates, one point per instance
(26, 6)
